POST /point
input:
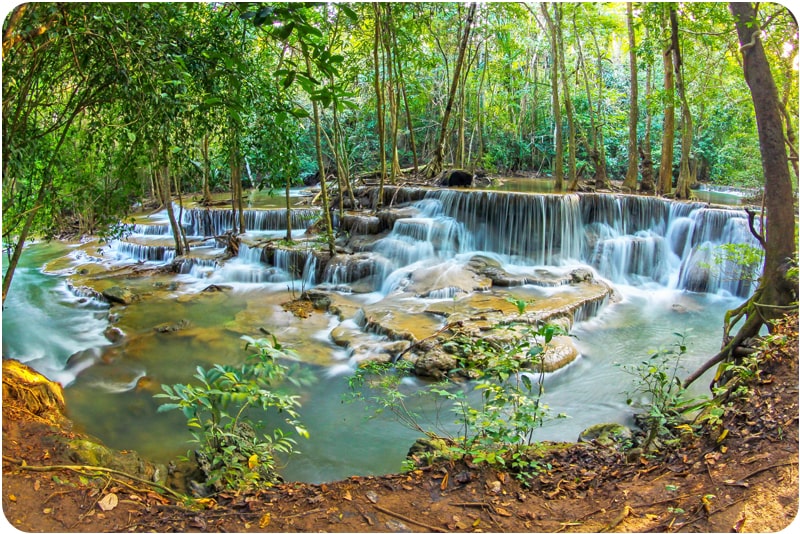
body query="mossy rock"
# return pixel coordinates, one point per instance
(608, 434)
(88, 452)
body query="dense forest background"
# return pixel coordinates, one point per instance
(106, 103)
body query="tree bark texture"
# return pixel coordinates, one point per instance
(668, 130)
(778, 195)
(632, 174)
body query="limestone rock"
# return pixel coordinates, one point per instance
(119, 295)
(560, 352)
(435, 363)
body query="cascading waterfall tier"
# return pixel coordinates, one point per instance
(214, 222)
(627, 239)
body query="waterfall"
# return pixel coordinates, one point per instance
(138, 252)
(151, 229)
(627, 239)
(211, 222)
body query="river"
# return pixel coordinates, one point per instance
(61, 334)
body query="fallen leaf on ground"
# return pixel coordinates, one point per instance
(109, 502)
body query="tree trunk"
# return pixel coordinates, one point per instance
(572, 170)
(162, 174)
(791, 137)
(600, 174)
(380, 105)
(235, 164)
(777, 288)
(646, 150)
(435, 166)
(326, 212)
(668, 131)
(206, 170)
(481, 106)
(685, 174)
(558, 160)
(402, 84)
(780, 225)
(391, 90)
(632, 175)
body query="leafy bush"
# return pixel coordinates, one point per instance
(230, 452)
(495, 428)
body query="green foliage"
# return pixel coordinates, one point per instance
(738, 261)
(658, 389)
(222, 411)
(495, 422)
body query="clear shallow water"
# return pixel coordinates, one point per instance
(344, 439)
(44, 324)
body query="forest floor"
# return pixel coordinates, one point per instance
(745, 482)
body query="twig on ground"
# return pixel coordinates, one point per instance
(407, 519)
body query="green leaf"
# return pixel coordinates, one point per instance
(300, 113)
(526, 381)
(283, 32)
(289, 79)
(349, 12)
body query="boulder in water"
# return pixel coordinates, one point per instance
(456, 178)
(113, 334)
(120, 295)
(435, 363)
(558, 353)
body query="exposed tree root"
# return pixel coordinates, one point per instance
(96, 470)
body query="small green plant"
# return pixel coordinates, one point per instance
(520, 304)
(736, 261)
(496, 423)
(230, 452)
(660, 390)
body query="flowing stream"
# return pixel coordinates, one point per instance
(657, 256)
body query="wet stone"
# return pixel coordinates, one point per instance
(119, 295)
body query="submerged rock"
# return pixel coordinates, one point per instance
(166, 328)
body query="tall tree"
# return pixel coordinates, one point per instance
(632, 174)
(436, 164)
(558, 158)
(777, 288)
(685, 171)
(668, 129)
(572, 171)
(379, 102)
